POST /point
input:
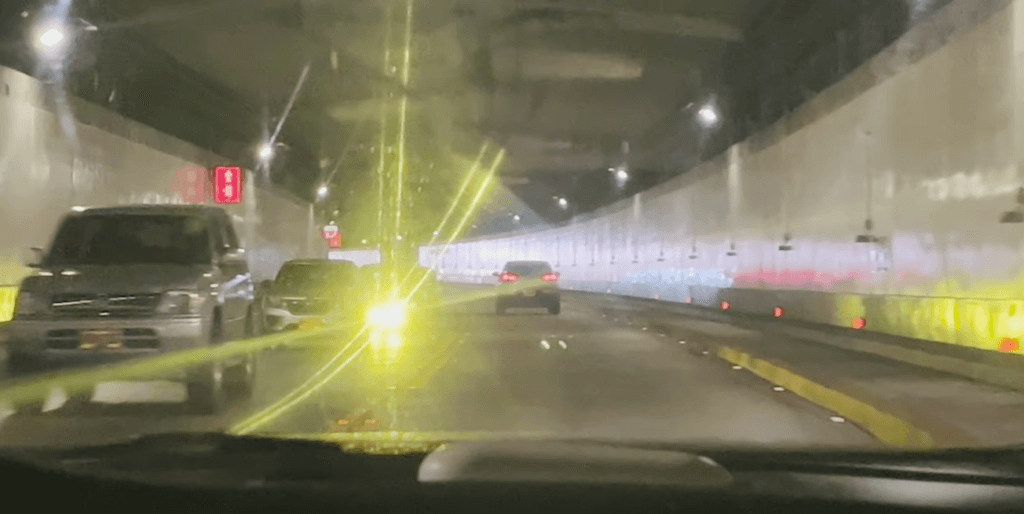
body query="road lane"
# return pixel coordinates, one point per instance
(581, 373)
(121, 410)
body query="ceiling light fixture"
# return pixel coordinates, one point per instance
(708, 115)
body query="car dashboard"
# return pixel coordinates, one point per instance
(269, 475)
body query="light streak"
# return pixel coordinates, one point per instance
(470, 211)
(302, 392)
(451, 208)
(403, 114)
(383, 129)
(458, 196)
(26, 390)
(288, 107)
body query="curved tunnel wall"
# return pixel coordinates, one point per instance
(929, 155)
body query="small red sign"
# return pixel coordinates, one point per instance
(193, 185)
(330, 232)
(337, 241)
(227, 184)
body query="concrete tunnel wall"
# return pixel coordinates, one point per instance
(110, 160)
(924, 140)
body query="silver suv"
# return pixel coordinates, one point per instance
(125, 282)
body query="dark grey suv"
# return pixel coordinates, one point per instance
(125, 282)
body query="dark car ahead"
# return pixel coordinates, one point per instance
(528, 284)
(306, 292)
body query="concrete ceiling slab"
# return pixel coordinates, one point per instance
(560, 83)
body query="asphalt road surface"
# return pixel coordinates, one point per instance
(581, 373)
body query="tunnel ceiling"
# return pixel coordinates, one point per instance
(561, 84)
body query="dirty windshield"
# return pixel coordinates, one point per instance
(732, 223)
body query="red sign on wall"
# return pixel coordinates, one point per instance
(193, 183)
(337, 241)
(330, 231)
(227, 184)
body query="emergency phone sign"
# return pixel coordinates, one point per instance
(227, 184)
(332, 234)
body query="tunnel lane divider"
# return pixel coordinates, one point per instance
(882, 425)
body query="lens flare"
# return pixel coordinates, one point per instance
(389, 316)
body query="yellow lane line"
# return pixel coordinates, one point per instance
(884, 426)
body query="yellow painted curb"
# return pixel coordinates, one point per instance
(884, 426)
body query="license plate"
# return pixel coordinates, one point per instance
(99, 339)
(311, 323)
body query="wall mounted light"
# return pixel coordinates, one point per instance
(785, 246)
(1012, 217)
(867, 237)
(1017, 214)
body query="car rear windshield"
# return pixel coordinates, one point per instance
(310, 275)
(132, 239)
(528, 269)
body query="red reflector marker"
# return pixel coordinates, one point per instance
(550, 277)
(689, 300)
(778, 312)
(725, 306)
(859, 323)
(1009, 345)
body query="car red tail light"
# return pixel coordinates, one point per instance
(550, 277)
(508, 278)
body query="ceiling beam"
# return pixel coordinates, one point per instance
(585, 16)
